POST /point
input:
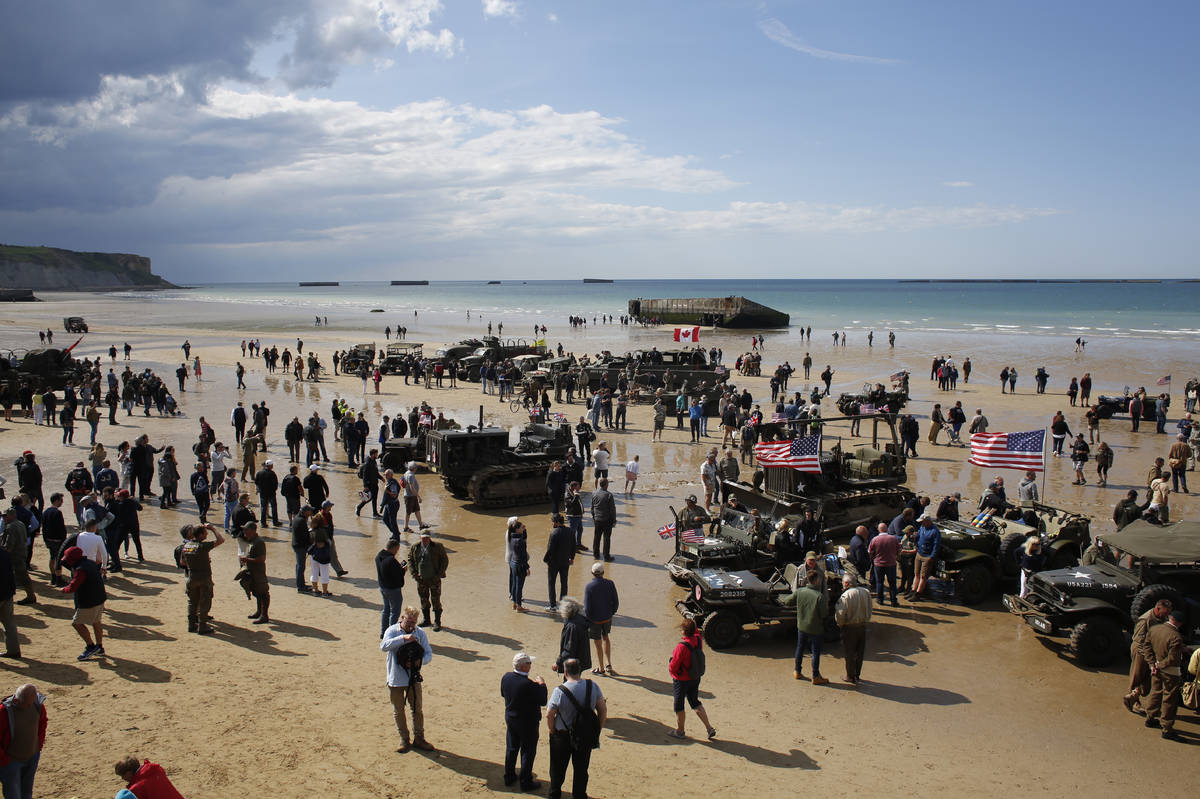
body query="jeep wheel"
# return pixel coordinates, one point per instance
(1147, 598)
(1097, 641)
(1010, 554)
(973, 584)
(722, 630)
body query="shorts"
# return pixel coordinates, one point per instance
(88, 616)
(601, 473)
(686, 689)
(599, 629)
(924, 566)
(631, 477)
(411, 504)
(320, 573)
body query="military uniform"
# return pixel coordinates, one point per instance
(1139, 670)
(1166, 648)
(427, 562)
(195, 557)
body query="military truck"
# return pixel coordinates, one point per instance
(722, 602)
(357, 357)
(495, 350)
(396, 356)
(876, 396)
(856, 486)
(480, 464)
(978, 556)
(74, 324)
(457, 350)
(1109, 405)
(1096, 605)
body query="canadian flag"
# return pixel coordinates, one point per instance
(691, 334)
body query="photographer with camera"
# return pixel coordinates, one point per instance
(407, 648)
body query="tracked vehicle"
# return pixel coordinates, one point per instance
(480, 464)
(47, 367)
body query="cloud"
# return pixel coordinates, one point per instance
(552, 17)
(46, 57)
(499, 8)
(958, 184)
(779, 33)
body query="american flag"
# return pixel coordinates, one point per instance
(666, 531)
(779, 417)
(897, 376)
(692, 536)
(802, 454)
(866, 410)
(1009, 450)
(1162, 381)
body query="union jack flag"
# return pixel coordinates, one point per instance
(692, 536)
(802, 454)
(666, 531)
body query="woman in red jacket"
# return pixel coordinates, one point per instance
(146, 780)
(686, 668)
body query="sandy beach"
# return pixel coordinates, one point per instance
(954, 699)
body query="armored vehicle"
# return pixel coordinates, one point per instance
(723, 602)
(397, 354)
(74, 324)
(854, 487)
(495, 350)
(47, 367)
(1096, 605)
(979, 555)
(480, 464)
(357, 357)
(458, 350)
(736, 542)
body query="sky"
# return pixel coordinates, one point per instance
(253, 140)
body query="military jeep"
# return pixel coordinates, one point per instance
(722, 602)
(74, 324)
(1096, 605)
(732, 544)
(979, 555)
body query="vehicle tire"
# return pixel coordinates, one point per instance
(1010, 554)
(973, 584)
(1146, 598)
(1065, 557)
(722, 630)
(1098, 641)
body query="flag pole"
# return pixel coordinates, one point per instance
(1043, 465)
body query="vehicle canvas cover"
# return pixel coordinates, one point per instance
(1170, 543)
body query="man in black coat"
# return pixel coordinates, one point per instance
(238, 420)
(524, 697)
(560, 555)
(293, 433)
(369, 472)
(29, 478)
(267, 483)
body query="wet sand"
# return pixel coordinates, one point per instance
(953, 699)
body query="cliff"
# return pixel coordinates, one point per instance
(52, 269)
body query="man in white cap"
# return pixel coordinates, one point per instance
(267, 483)
(315, 487)
(524, 697)
(929, 543)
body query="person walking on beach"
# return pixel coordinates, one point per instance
(87, 586)
(600, 605)
(559, 557)
(686, 667)
(1079, 458)
(197, 563)
(407, 650)
(827, 379)
(1104, 462)
(812, 608)
(1177, 459)
(604, 518)
(254, 561)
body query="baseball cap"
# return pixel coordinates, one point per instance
(1179, 616)
(326, 504)
(316, 467)
(304, 508)
(269, 463)
(426, 534)
(72, 556)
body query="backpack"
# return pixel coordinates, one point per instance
(696, 669)
(584, 733)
